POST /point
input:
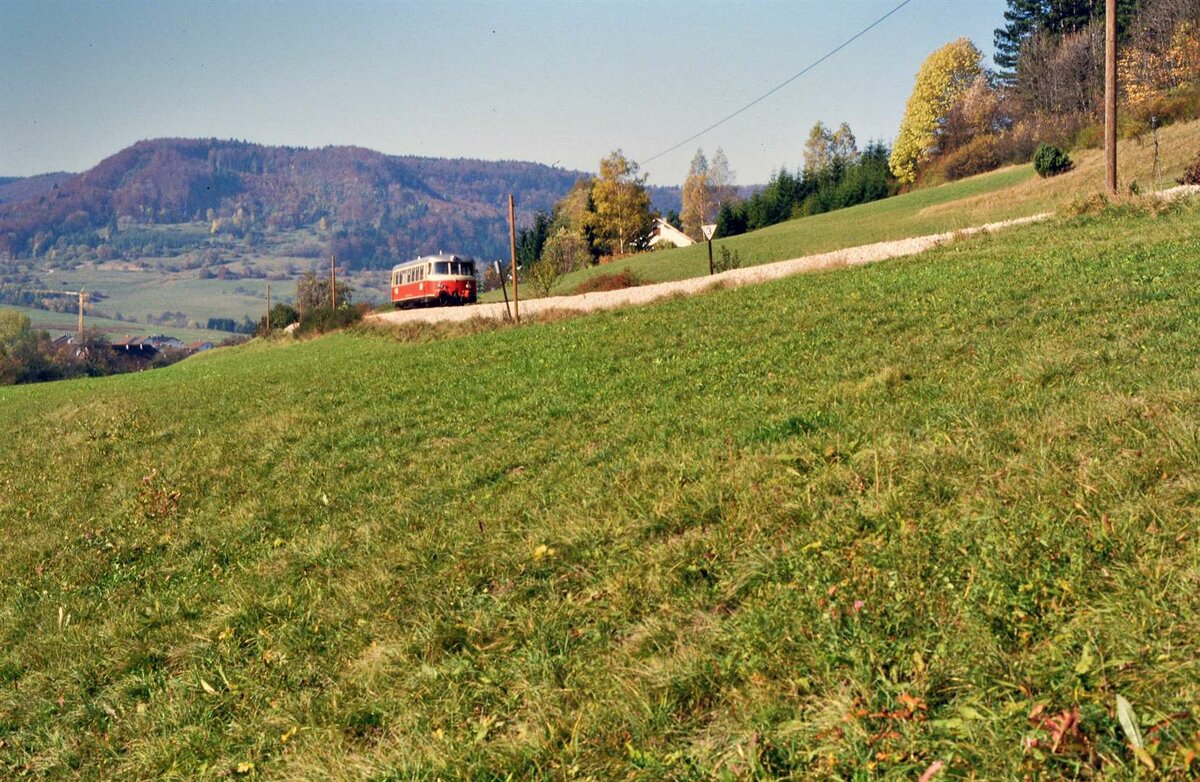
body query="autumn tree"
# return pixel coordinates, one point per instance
(312, 292)
(844, 145)
(620, 216)
(566, 251)
(574, 213)
(817, 153)
(706, 189)
(563, 253)
(977, 112)
(722, 180)
(1150, 67)
(826, 148)
(943, 78)
(696, 196)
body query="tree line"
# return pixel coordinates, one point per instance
(610, 214)
(963, 118)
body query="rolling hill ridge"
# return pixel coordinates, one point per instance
(376, 208)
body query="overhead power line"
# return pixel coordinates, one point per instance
(779, 87)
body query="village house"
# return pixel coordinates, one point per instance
(665, 232)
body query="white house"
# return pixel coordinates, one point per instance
(665, 232)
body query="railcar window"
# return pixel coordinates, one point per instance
(443, 267)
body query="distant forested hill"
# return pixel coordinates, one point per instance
(375, 209)
(19, 188)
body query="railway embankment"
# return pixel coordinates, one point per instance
(645, 294)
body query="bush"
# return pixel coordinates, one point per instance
(324, 319)
(726, 260)
(978, 155)
(1191, 174)
(282, 315)
(609, 282)
(1049, 161)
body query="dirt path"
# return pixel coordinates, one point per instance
(643, 294)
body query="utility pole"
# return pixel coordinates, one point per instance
(332, 281)
(82, 294)
(512, 241)
(504, 288)
(268, 308)
(1110, 94)
(709, 230)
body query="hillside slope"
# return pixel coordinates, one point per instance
(844, 525)
(1004, 194)
(18, 188)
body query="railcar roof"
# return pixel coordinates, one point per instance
(428, 258)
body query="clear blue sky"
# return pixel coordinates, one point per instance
(553, 81)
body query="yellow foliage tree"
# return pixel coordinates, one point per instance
(1147, 75)
(620, 213)
(944, 77)
(696, 198)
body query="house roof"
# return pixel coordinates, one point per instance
(666, 232)
(136, 343)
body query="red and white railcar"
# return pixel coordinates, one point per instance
(434, 280)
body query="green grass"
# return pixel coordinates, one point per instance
(838, 526)
(138, 293)
(1004, 194)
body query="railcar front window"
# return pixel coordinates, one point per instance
(443, 267)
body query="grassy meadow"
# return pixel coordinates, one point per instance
(140, 292)
(68, 323)
(848, 525)
(1007, 193)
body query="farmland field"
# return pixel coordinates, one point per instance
(67, 323)
(847, 525)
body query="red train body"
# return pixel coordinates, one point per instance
(434, 280)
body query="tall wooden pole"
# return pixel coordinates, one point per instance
(81, 297)
(268, 308)
(333, 281)
(1110, 94)
(512, 241)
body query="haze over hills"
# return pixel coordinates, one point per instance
(375, 209)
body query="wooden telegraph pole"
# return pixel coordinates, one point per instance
(332, 281)
(1110, 94)
(512, 241)
(82, 296)
(709, 230)
(268, 308)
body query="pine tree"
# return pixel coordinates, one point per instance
(1021, 20)
(1055, 17)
